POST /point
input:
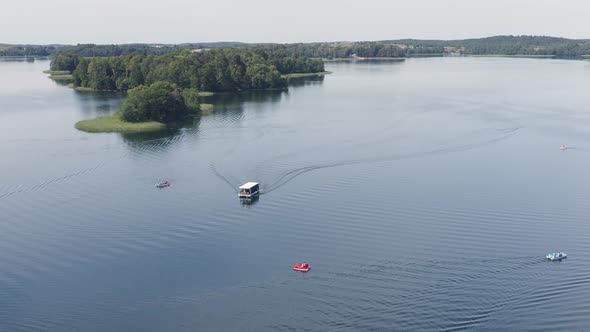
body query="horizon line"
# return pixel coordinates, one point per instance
(287, 43)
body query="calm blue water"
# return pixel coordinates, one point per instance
(425, 194)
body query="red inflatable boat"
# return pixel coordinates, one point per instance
(302, 267)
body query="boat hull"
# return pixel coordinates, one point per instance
(248, 195)
(555, 258)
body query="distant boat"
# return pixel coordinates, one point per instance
(302, 267)
(556, 256)
(563, 147)
(162, 184)
(356, 57)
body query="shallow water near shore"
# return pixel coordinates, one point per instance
(425, 194)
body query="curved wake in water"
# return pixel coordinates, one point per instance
(232, 182)
(290, 175)
(287, 176)
(51, 181)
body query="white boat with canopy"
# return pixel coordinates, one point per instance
(248, 190)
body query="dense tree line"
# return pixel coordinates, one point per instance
(499, 45)
(360, 49)
(508, 45)
(27, 50)
(224, 69)
(93, 50)
(522, 45)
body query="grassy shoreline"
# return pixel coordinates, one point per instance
(56, 72)
(83, 89)
(80, 88)
(206, 109)
(61, 77)
(113, 123)
(298, 75)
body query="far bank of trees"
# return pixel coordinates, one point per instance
(523, 45)
(93, 50)
(361, 49)
(27, 50)
(497, 45)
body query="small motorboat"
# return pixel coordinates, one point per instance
(302, 267)
(563, 147)
(162, 184)
(556, 256)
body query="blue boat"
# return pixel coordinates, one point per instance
(556, 256)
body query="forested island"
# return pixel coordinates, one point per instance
(216, 70)
(166, 88)
(148, 108)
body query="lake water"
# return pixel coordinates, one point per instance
(425, 194)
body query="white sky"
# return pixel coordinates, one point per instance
(178, 21)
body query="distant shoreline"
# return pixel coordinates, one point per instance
(400, 59)
(511, 56)
(393, 59)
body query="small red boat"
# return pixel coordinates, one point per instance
(302, 267)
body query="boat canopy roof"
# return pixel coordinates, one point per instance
(248, 185)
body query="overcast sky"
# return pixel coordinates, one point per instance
(178, 21)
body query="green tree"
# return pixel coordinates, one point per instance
(80, 75)
(191, 99)
(64, 62)
(161, 101)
